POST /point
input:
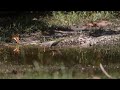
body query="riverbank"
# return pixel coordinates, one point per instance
(84, 36)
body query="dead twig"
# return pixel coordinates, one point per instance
(103, 70)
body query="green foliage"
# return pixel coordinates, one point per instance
(67, 19)
(42, 21)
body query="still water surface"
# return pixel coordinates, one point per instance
(66, 63)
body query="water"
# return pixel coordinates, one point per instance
(59, 63)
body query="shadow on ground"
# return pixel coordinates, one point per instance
(94, 32)
(101, 32)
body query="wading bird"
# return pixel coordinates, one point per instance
(15, 37)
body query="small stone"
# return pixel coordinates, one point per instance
(95, 77)
(83, 68)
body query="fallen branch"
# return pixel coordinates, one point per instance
(103, 70)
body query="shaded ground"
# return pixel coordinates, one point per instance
(104, 32)
(82, 35)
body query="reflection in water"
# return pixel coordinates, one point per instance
(64, 63)
(16, 50)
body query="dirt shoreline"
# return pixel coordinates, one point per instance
(84, 36)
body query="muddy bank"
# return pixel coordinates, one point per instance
(83, 36)
(102, 33)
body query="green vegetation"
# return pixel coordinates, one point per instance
(67, 19)
(32, 22)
